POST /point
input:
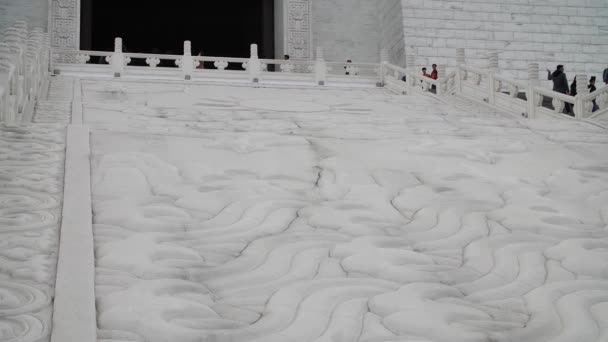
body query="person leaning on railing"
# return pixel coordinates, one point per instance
(592, 88)
(560, 84)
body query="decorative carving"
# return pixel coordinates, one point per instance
(220, 65)
(64, 27)
(153, 62)
(82, 59)
(287, 67)
(298, 30)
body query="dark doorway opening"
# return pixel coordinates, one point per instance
(215, 28)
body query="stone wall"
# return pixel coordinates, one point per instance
(347, 29)
(35, 12)
(391, 30)
(550, 32)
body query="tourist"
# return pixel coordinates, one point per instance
(560, 84)
(350, 70)
(592, 88)
(424, 73)
(434, 73)
(605, 76)
(573, 87)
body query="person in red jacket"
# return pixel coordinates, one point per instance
(434, 73)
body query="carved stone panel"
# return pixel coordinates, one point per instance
(64, 27)
(298, 29)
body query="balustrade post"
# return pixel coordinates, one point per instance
(532, 99)
(384, 59)
(492, 69)
(460, 63)
(118, 58)
(254, 66)
(441, 79)
(581, 90)
(410, 68)
(320, 67)
(187, 63)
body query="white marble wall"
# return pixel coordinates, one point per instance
(391, 30)
(35, 12)
(347, 29)
(570, 32)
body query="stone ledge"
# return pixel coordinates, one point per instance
(74, 316)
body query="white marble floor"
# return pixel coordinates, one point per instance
(242, 214)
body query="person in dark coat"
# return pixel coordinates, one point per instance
(592, 88)
(573, 87)
(560, 84)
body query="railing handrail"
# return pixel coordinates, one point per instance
(396, 68)
(503, 79)
(424, 78)
(596, 93)
(474, 69)
(554, 94)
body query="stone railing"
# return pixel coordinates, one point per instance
(24, 70)
(487, 85)
(188, 67)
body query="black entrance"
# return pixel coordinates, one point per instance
(217, 28)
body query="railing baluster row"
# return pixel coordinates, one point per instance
(483, 84)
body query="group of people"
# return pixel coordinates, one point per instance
(434, 74)
(560, 85)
